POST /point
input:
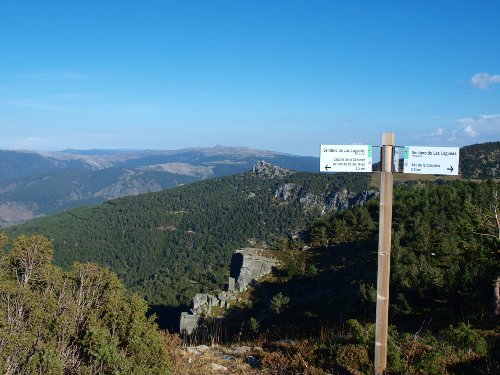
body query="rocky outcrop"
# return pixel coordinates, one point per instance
(287, 191)
(334, 201)
(189, 323)
(247, 266)
(268, 170)
(343, 200)
(130, 183)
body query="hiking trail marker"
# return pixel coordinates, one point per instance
(417, 159)
(431, 160)
(346, 158)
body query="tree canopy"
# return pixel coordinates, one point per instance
(76, 322)
(170, 245)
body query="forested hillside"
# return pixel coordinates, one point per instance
(443, 305)
(480, 161)
(445, 266)
(445, 251)
(172, 244)
(34, 184)
(67, 188)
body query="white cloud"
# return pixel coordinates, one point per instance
(481, 119)
(468, 130)
(483, 80)
(465, 131)
(435, 135)
(482, 126)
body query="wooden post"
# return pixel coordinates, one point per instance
(384, 254)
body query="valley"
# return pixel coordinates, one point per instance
(35, 184)
(314, 312)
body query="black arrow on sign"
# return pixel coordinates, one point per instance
(327, 167)
(450, 169)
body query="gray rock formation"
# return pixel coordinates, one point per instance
(199, 300)
(249, 264)
(203, 303)
(213, 301)
(363, 197)
(222, 297)
(334, 201)
(268, 170)
(231, 284)
(188, 323)
(286, 191)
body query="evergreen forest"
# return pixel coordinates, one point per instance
(444, 306)
(73, 283)
(170, 245)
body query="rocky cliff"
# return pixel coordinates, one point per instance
(333, 201)
(268, 170)
(247, 266)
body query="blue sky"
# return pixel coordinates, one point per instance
(276, 75)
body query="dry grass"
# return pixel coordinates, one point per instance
(188, 361)
(282, 357)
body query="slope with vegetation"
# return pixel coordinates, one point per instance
(76, 322)
(35, 184)
(480, 161)
(445, 264)
(315, 314)
(172, 244)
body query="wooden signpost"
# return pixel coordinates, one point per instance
(417, 159)
(384, 253)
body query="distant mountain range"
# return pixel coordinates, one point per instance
(35, 184)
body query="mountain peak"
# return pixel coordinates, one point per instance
(268, 170)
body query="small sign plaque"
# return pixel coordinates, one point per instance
(346, 158)
(431, 160)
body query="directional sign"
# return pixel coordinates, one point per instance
(431, 160)
(346, 158)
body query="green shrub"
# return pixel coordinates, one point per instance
(467, 340)
(279, 302)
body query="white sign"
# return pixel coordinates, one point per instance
(431, 160)
(345, 158)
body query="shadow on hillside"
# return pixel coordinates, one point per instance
(476, 366)
(327, 297)
(323, 289)
(167, 317)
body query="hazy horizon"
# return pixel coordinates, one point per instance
(285, 76)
